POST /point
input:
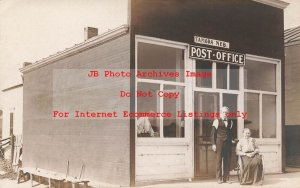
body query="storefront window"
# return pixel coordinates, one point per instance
(261, 98)
(234, 77)
(230, 100)
(260, 76)
(148, 127)
(222, 76)
(269, 116)
(204, 66)
(160, 71)
(252, 108)
(174, 126)
(160, 62)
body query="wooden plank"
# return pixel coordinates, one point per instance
(166, 149)
(160, 160)
(270, 162)
(157, 177)
(155, 170)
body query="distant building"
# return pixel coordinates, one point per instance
(240, 42)
(11, 114)
(292, 95)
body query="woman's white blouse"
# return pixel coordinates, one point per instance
(246, 145)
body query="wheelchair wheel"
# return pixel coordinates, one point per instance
(263, 175)
(238, 174)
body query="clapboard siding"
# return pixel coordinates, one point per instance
(292, 87)
(161, 162)
(102, 144)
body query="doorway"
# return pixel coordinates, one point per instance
(204, 156)
(209, 103)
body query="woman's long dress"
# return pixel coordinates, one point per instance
(252, 172)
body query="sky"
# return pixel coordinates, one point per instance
(34, 29)
(292, 14)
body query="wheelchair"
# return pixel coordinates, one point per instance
(237, 163)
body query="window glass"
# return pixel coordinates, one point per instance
(269, 116)
(148, 127)
(206, 68)
(234, 77)
(260, 76)
(160, 62)
(230, 100)
(221, 76)
(208, 104)
(174, 126)
(252, 109)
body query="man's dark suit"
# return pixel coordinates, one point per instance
(222, 138)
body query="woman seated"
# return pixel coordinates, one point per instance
(252, 172)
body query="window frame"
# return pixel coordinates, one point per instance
(190, 88)
(277, 94)
(187, 83)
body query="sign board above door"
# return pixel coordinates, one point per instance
(211, 42)
(198, 52)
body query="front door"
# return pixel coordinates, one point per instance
(204, 156)
(209, 104)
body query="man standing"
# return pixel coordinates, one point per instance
(222, 141)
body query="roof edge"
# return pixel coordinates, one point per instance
(292, 43)
(94, 41)
(12, 87)
(274, 3)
